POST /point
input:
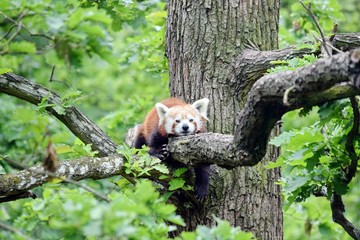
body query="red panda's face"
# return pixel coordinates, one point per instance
(183, 120)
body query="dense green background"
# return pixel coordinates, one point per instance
(108, 60)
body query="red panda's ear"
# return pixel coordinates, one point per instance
(202, 105)
(161, 110)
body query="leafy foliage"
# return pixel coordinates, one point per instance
(72, 213)
(107, 57)
(292, 64)
(144, 164)
(296, 25)
(313, 140)
(314, 158)
(223, 230)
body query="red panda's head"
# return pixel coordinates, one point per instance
(182, 120)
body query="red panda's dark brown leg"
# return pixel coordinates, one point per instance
(158, 145)
(202, 181)
(139, 141)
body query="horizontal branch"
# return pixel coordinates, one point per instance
(252, 64)
(78, 169)
(327, 79)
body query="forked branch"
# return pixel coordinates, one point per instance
(327, 79)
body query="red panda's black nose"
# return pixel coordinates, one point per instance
(185, 127)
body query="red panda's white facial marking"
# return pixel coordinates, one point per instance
(182, 125)
(183, 120)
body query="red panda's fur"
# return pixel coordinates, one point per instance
(155, 131)
(151, 121)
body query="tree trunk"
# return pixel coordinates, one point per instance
(204, 40)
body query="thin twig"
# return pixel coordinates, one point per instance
(9, 18)
(100, 195)
(51, 79)
(52, 73)
(328, 44)
(334, 31)
(8, 32)
(14, 230)
(317, 25)
(13, 35)
(20, 26)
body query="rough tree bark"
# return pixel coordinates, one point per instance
(205, 48)
(204, 41)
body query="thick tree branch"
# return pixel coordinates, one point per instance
(324, 80)
(25, 194)
(264, 105)
(253, 64)
(347, 41)
(82, 168)
(79, 124)
(338, 209)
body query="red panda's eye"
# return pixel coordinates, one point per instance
(191, 120)
(177, 121)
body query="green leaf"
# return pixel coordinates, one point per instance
(146, 191)
(283, 138)
(340, 186)
(244, 236)
(223, 229)
(2, 170)
(58, 109)
(176, 183)
(314, 160)
(295, 182)
(325, 230)
(279, 162)
(38, 205)
(205, 233)
(306, 136)
(188, 235)
(60, 149)
(161, 168)
(23, 47)
(93, 228)
(176, 219)
(5, 70)
(179, 171)
(163, 177)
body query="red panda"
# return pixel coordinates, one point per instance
(173, 117)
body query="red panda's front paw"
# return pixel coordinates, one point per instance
(160, 152)
(164, 153)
